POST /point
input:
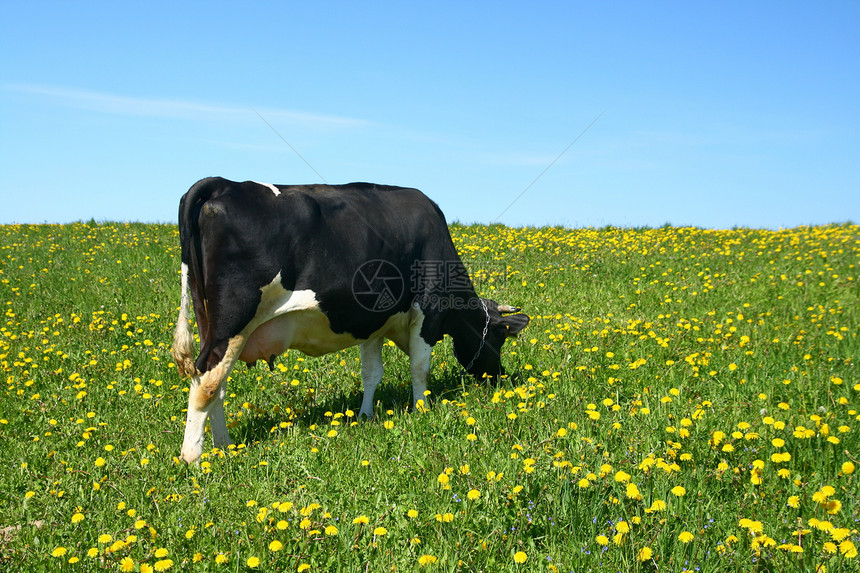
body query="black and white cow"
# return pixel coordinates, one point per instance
(320, 268)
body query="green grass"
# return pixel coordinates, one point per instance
(720, 362)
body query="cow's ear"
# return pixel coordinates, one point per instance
(514, 323)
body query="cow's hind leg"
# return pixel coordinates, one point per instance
(220, 435)
(205, 399)
(371, 373)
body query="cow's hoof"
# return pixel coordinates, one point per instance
(190, 455)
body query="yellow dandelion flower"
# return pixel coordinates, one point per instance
(644, 554)
(426, 560)
(331, 530)
(602, 540)
(275, 545)
(58, 551)
(678, 491)
(473, 494)
(361, 520)
(77, 517)
(253, 562)
(380, 531)
(126, 564)
(685, 537)
(163, 564)
(520, 557)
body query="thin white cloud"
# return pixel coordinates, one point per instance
(173, 109)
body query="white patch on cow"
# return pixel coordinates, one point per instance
(291, 319)
(274, 189)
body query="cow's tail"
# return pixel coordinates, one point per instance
(189, 241)
(183, 339)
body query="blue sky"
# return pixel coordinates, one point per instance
(714, 114)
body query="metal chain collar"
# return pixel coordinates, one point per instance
(483, 336)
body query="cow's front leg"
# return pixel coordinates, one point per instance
(419, 366)
(371, 374)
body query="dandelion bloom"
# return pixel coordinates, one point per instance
(633, 491)
(678, 491)
(253, 562)
(361, 520)
(303, 567)
(380, 531)
(126, 564)
(602, 540)
(473, 494)
(848, 468)
(520, 557)
(685, 537)
(443, 479)
(426, 560)
(59, 551)
(221, 559)
(331, 530)
(160, 553)
(656, 505)
(412, 513)
(276, 545)
(77, 517)
(644, 554)
(794, 501)
(163, 564)
(622, 527)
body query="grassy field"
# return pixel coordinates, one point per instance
(683, 399)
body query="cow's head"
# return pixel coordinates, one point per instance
(479, 337)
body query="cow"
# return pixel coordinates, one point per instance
(320, 268)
